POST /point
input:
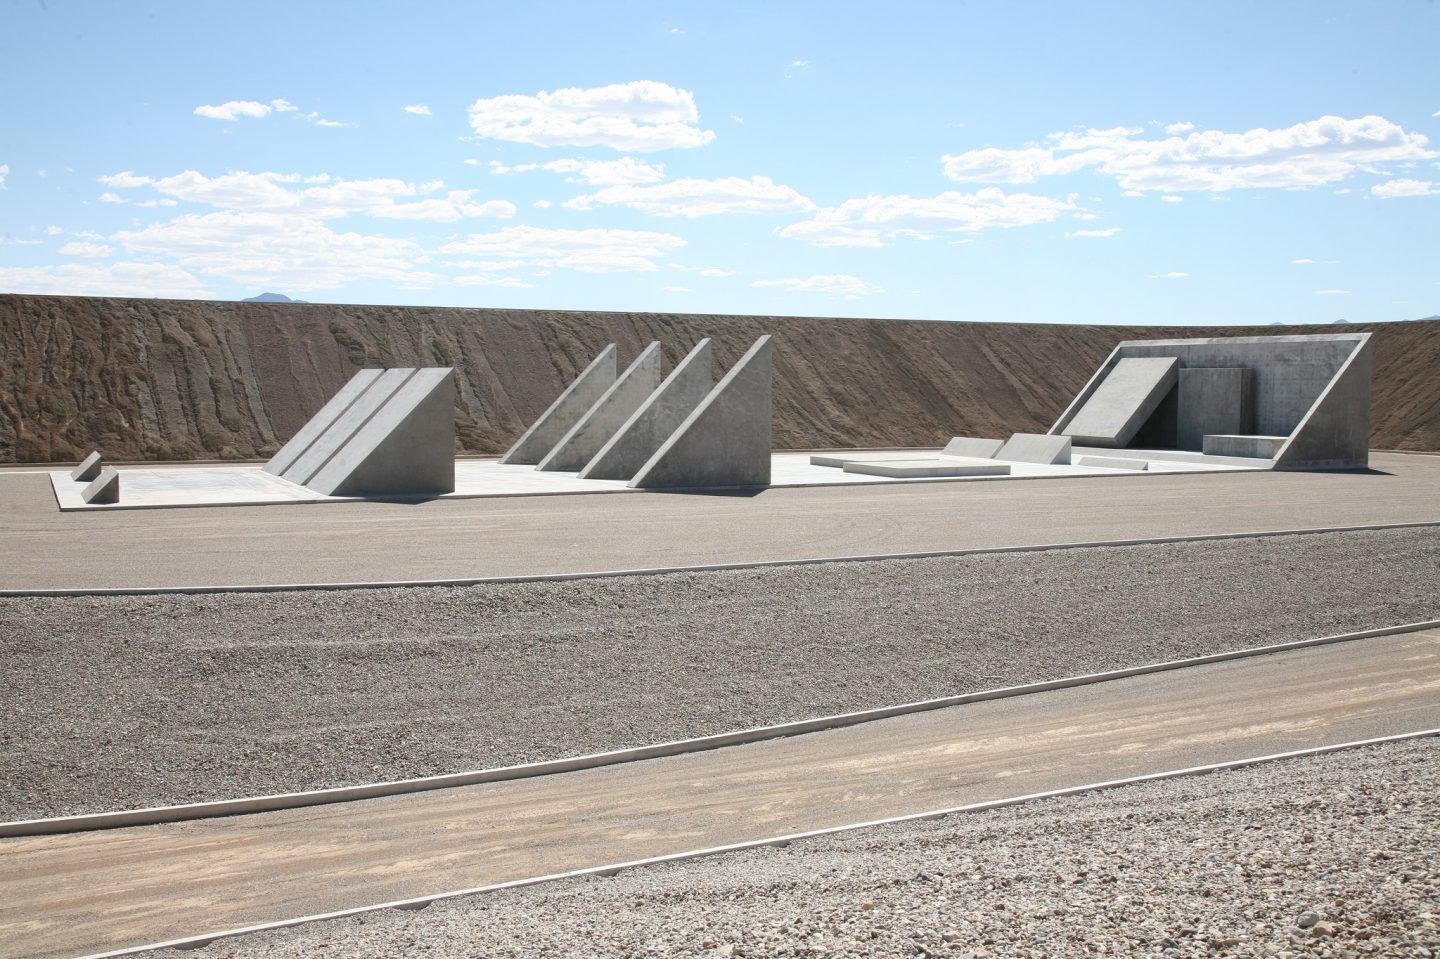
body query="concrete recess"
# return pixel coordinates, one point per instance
(971, 446)
(1035, 448)
(1121, 403)
(1213, 400)
(88, 469)
(610, 412)
(656, 419)
(565, 412)
(105, 488)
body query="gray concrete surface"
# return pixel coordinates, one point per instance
(566, 411)
(523, 535)
(950, 466)
(226, 695)
(656, 419)
(610, 412)
(1213, 400)
(972, 446)
(166, 881)
(1035, 448)
(726, 441)
(315, 427)
(1121, 403)
(1252, 446)
(1335, 432)
(1113, 462)
(88, 469)
(1324, 856)
(346, 422)
(104, 488)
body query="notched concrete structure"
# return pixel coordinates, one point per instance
(1301, 402)
(610, 412)
(565, 412)
(104, 490)
(88, 469)
(656, 419)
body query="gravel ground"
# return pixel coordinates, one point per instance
(134, 701)
(1328, 856)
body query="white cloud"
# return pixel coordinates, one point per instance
(54, 230)
(1405, 187)
(1303, 261)
(713, 272)
(587, 251)
(845, 285)
(1307, 154)
(320, 121)
(1171, 198)
(593, 172)
(542, 204)
(320, 196)
(796, 67)
(108, 197)
(235, 109)
(4, 172)
(108, 279)
(1094, 233)
(278, 249)
(419, 109)
(694, 198)
(642, 116)
(677, 289)
(85, 248)
(1182, 127)
(1172, 275)
(1332, 292)
(485, 279)
(874, 220)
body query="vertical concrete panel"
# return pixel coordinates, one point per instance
(565, 412)
(726, 441)
(609, 413)
(1335, 433)
(1215, 400)
(656, 419)
(316, 426)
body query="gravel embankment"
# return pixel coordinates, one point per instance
(133, 701)
(1327, 856)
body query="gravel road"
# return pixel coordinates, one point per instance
(1326, 856)
(134, 701)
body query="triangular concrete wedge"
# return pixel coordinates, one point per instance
(725, 442)
(657, 418)
(608, 414)
(406, 449)
(316, 426)
(338, 431)
(565, 412)
(1335, 432)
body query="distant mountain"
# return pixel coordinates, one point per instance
(1342, 321)
(270, 298)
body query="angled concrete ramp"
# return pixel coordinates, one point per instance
(725, 441)
(656, 419)
(565, 412)
(609, 413)
(1123, 401)
(1039, 448)
(104, 489)
(316, 426)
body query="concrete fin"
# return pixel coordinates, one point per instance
(1335, 432)
(88, 469)
(609, 413)
(316, 426)
(565, 412)
(407, 447)
(1123, 401)
(105, 488)
(349, 421)
(725, 441)
(656, 419)
(1041, 448)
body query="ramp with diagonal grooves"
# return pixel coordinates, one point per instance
(93, 891)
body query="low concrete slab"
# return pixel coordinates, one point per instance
(610, 412)
(972, 446)
(88, 469)
(565, 412)
(916, 469)
(1035, 448)
(657, 418)
(1119, 406)
(838, 460)
(1255, 447)
(104, 489)
(1113, 462)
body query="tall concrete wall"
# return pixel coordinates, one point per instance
(657, 418)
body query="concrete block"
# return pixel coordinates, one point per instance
(343, 425)
(838, 460)
(1213, 400)
(656, 419)
(1113, 462)
(1123, 401)
(104, 489)
(971, 446)
(919, 469)
(316, 426)
(88, 469)
(1335, 432)
(1035, 448)
(407, 448)
(1253, 447)
(610, 412)
(725, 441)
(565, 412)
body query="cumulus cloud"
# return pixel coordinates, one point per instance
(321, 196)
(593, 172)
(1094, 233)
(1182, 127)
(641, 116)
(236, 109)
(1171, 198)
(694, 198)
(108, 279)
(274, 249)
(842, 284)
(419, 109)
(1392, 189)
(1307, 154)
(4, 172)
(874, 220)
(587, 251)
(86, 248)
(712, 272)
(1303, 261)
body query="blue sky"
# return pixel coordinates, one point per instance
(1080, 162)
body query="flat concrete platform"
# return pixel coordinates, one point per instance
(41, 548)
(918, 469)
(163, 882)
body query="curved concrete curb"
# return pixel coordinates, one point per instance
(700, 568)
(420, 902)
(233, 807)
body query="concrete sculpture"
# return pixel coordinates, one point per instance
(610, 412)
(1121, 403)
(565, 412)
(725, 441)
(386, 433)
(1035, 448)
(922, 469)
(104, 489)
(972, 446)
(1302, 402)
(88, 469)
(656, 419)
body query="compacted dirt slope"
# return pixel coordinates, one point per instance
(179, 379)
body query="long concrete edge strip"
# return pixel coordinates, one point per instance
(420, 902)
(155, 815)
(697, 568)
